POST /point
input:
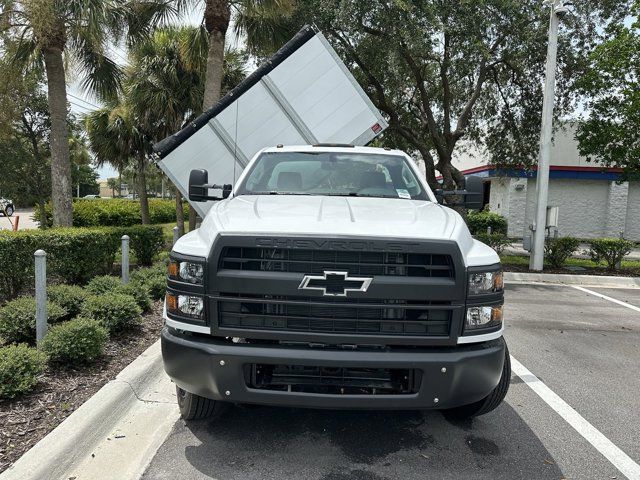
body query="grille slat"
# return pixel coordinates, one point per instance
(354, 262)
(301, 314)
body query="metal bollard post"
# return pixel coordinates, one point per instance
(489, 230)
(176, 234)
(125, 259)
(41, 295)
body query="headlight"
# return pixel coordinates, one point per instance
(483, 317)
(186, 306)
(482, 283)
(187, 271)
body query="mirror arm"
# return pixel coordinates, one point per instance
(453, 192)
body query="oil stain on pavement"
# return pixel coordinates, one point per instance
(283, 443)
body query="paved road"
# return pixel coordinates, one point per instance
(583, 347)
(26, 220)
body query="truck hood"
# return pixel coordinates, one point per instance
(321, 215)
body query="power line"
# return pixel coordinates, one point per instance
(82, 100)
(81, 107)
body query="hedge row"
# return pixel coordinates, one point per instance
(478, 222)
(117, 212)
(74, 255)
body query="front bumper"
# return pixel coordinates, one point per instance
(214, 369)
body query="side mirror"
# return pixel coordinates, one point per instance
(474, 187)
(197, 181)
(473, 193)
(199, 187)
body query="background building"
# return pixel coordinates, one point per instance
(591, 201)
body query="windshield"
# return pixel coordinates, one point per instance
(332, 173)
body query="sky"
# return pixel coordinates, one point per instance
(82, 102)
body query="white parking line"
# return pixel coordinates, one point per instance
(596, 294)
(606, 447)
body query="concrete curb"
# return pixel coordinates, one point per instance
(584, 280)
(114, 434)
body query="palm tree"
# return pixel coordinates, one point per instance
(165, 82)
(116, 136)
(55, 33)
(262, 22)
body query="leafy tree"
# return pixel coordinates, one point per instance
(448, 74)
(612, 86)
(24, 136)
(53, 33)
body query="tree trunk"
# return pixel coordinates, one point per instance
(43, 213)
(142, 189)
(179, 213)
(217, 14)
(60, 163)
(192, 218)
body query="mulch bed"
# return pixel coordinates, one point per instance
(629, 272)
(27, 419)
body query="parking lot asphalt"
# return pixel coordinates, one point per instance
(584, 348)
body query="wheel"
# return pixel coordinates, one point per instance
(9, 211)
(491, 401)
(195, 407)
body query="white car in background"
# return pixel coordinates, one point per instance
(6, 207)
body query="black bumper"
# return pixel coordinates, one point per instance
(214, 369)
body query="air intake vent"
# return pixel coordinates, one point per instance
(397, 264)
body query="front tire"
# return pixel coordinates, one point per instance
(195, 407)
(491, 401)
(9, 211)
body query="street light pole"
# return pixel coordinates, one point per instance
(536, 261)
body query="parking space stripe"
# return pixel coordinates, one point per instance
(606, 447)
(614, 300)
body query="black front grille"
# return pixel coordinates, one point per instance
(399, 264)
(332, 380)
(347, 315)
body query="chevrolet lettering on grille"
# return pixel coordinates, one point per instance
(335, 284)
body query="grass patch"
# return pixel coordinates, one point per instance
(167, 230)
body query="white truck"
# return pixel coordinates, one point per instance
(326, 276)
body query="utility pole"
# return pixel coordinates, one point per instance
(536, 261)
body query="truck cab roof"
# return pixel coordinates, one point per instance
(327, 147)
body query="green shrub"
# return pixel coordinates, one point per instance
(73, 254)
(75, 342)
(497, 241)
(558, 250)
(116, 312)
(19, 369)
(103, 284)
(155, 278)
(146, 242)
(478, 222)
(107, 284)
(139, 291)
(69, 297)
(610, 251)
(16, 262)
(117, 212)
(18, 319)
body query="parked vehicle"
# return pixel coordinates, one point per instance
(331, 277)
(6, 207)
(327, 275)
(91, 196)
